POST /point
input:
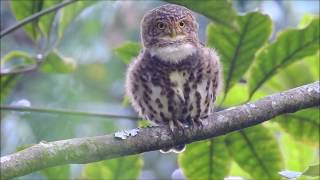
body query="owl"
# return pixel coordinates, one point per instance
(175, 78)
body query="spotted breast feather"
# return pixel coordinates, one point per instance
(174, 93)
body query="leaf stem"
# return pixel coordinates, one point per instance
(66, 112)
(35, 16)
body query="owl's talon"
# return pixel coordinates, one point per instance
(176, 124)
(180, 125)
(171, 126)
(199, 123)
(191, 122)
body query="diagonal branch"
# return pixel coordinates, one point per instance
(91, 149)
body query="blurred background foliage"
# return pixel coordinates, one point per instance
(76, 58)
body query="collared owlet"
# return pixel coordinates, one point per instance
(175, 78)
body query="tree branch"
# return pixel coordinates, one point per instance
(91, 149)
(65, 112)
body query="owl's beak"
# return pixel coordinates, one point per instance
(173, 33)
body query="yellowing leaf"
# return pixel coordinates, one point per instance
(56, 63)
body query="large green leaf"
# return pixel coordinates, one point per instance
(205, 160)
(303, 125)
(256, 151)
(290, 77)
(221, 12)
(71, 12)
(127, 51)
(290, 46)
(237, 47)
(58, 172)
(56, 63)
(236, 171)
(121, 168)
(312, 171)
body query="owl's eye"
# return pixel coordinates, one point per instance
(181, 23)
(160, 25)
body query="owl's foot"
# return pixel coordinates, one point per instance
(197, 122)
(176, 123)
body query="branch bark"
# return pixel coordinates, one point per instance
(91, 149)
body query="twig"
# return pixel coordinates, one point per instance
(91, 149)
(66, 112)
(24, 69)
(35, 16)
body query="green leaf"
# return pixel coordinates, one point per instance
(143, 123)
(256, 151)
(23, 57)
(290, 77)
(237, 95)
(26, 8)
(297, 156)
(58, 172)
(290, 46)
(121, 168)
(14, 61)
(305, 20)
(238, 47)
(205, 160)
(303, 125)
(221, 12)
(56, 63)
(46, 21)
(314, 64)
(71, 12)
(96, 171)
(23, 9)
(127, 51)
(7, 83)
(312, 171)
(238, 172)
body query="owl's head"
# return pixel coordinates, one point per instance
(168, 26)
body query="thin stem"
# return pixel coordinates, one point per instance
(35, 16)
(20, 70)
(66, 112)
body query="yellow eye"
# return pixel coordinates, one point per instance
(181, 23)
(160, 25)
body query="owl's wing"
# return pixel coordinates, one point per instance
(132, 82)
(214, 68)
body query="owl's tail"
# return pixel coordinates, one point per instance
(176, 149)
